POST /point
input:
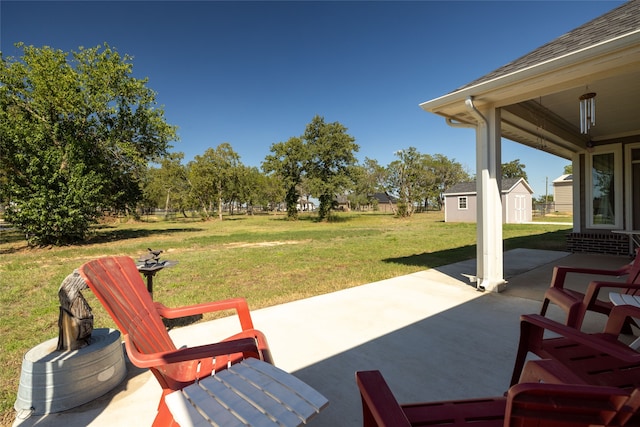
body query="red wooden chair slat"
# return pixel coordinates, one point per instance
(482, 412)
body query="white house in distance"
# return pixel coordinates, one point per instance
(461, 201)
(563, 193)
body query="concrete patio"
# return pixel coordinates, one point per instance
(431, 334)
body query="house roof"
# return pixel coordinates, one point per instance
(461, 188)
(384, 198)
(538, 93)
(563, 178)
(621, 20)
(507, 185)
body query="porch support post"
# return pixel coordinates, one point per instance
(490, 271)
(578, 214)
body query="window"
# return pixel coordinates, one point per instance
(604, 188)
(632, 184)
(462, 203)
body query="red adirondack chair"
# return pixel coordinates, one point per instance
(576, 303)
(596, 359)
(119, 286)
(525, 404)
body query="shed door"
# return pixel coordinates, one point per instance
(520, 208)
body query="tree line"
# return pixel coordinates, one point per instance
(296, 171)
(80, 136)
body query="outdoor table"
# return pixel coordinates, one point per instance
(626, 299)
(251, 392)
(149, 269)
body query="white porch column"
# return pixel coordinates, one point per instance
(576, 170)
(490, 271)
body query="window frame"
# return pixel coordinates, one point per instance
(466, 203)
(616, 150)
(629, 183)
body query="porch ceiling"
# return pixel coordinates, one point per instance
(550, 121)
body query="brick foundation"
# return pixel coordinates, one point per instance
(611, 244)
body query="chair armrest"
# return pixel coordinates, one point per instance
(379, 405)
(593, 290)
(560, 273)
(568, 302)
(618, 316)
(566, 402)
(238, 304)
(534, 326)
(142, 360)
(573, 391)
(548, 371)
(606, 342)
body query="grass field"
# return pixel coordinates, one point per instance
(265, 259)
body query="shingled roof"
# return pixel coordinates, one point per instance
(470, 187)
(385, 198)
(622, 20)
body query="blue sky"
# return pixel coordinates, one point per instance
(256, 73)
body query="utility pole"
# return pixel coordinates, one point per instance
(546, 193)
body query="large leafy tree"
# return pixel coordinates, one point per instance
(415, 178)
(370, 178)
(446, 172)
(213, 176)
(76, 132)
(286, 164)
(252, 188)
(331, 162)
(167, 186)
(273, 191)
(514, 169)
(407, 179)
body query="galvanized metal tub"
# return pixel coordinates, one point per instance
(54, 381)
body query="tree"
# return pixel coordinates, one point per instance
(514, 169)
(416, 178)
(543, 199)
(372, 180)
(76, 133)
(364, 186)
(568, 169)
(286, 163)
(406, 179)
(273, 191)
(168, 186)
(446, 172)
(330, 163)
(212, 177)
(251, 187)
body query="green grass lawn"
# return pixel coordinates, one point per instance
(265, 259)
(554, 217)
